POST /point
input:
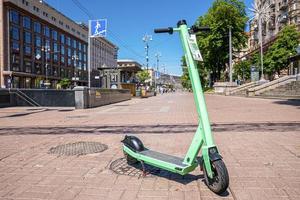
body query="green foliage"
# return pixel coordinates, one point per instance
(143, 76)
(65, 83)
(215, 44)
(284, 47)
(185, 78)
(242, 70)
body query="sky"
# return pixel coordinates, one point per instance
(130, 20)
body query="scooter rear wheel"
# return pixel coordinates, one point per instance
(220, 181)
(130, 160)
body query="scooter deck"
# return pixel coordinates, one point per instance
(164, 157)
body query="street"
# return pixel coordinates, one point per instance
(258, 139)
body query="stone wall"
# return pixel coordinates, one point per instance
(94, 97)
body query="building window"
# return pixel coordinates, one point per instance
(15, 33)
(62, 38)
(68, 41)
(46, 31)
(37, 27)
(37, 41)
(62, 50)
(61, 23)
(45, 14)
(27, 66)
(53, 19)
(55, 47)
(69, 61)
(26, 22)
(27, 50)
(84, 48)
(47, 43)
(74, 44)
(79, 46)
(36, 9)
(55, 58)
(15, 46)
(69, 52)
(47, 56)
(54, 35)
(67, 26)
(62, 60)
(27, 37)
(14, 17)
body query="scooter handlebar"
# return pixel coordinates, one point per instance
(164, 30)
(196, 29)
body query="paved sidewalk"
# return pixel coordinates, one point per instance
(258, 138)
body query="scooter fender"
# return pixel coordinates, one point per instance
(213, 154)
(133, 143)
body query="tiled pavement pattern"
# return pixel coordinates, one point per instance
(258, 138)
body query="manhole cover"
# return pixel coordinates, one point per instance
(121, 167)
(78, 148)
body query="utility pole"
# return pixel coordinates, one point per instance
(157, 55)
(146, 40)
(230, 56)
(261, 48)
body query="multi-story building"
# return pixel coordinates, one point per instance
(39, 46)
(104, 56)
(281, 13)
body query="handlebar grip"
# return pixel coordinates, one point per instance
(164, 30)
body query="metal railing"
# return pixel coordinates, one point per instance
(24, 97)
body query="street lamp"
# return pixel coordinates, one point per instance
(75, 78)
(157, 55)
(260, 14)
(146, 39)
(46, 49)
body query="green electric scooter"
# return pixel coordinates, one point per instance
(215, 172)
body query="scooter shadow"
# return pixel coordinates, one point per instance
(183, 179)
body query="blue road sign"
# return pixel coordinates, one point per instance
(98, 28)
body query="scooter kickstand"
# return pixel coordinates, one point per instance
(144, 169)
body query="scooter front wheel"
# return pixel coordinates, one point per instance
(220, 180)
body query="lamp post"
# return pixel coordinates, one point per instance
(46, 49)
(230, 56)
(146, 40)
(260, 14)
(157, 55)
(75, 78)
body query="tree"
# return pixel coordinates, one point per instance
(65, 83)
(242, 70)
(143, 76)
(284, 47)
(185, 79)
(215, 44)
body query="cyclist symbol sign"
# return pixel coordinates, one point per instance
(98, 28)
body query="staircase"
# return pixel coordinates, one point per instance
(289, 90)
(242, 90)
(284, 87)
(22, 96)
